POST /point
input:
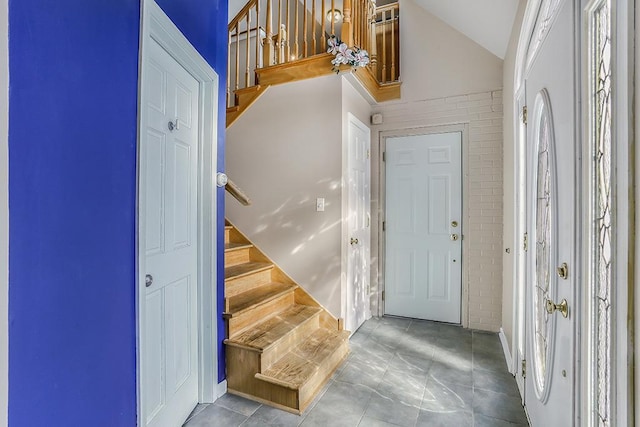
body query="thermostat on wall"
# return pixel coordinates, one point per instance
(376, 119)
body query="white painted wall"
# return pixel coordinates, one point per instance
(4, 212)
(437, 61)
(509, 238)
(285, 151)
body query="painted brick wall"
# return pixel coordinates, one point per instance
(482, 113)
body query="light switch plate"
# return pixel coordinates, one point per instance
(320, 204)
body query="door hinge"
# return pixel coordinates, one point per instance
(368, 154)
(384, 225)
(525, 243)
(524, 368)
(382, 295)
(524, 114)
(384, 156)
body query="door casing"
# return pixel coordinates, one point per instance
(158, 27)
(463, 128)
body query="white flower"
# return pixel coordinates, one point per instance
(355, 57)
(333, 43)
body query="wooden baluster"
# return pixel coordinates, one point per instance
(333, 24)
(248, 49)
(229, 72)
(347, 29)
(384, 46)
(279, 55)
(295, 41)
(354, 22)
(393, 46)
(323, 17)
(359, 33)
(287, 53)
(258, 41)
(304, 29)
(237, 55)
(313, 28)
(373, 48)
(267, 53)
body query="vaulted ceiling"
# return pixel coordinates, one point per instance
(487, 22)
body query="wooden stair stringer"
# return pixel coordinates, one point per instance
(301, 296)
(244, 99)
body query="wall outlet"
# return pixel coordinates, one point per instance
(320, 204)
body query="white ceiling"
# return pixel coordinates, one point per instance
(487, 22)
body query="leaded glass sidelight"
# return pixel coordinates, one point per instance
(543, 241)
(601, 241)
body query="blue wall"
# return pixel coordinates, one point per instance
(72, 182)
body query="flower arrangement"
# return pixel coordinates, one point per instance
(355, 56)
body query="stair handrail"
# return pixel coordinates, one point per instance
(233, 189)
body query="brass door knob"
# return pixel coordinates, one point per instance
(454, 237)
(354, 241)
(563, 307)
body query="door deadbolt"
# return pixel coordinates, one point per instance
(454, 223)
(148, 280)
(563, 271)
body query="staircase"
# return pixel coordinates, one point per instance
(282, 345)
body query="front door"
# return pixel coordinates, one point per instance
(551, 224)
(169, 228)
(423, 267)
(359, 224)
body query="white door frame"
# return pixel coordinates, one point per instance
(157, 27)
(463, 128)
(518, 336)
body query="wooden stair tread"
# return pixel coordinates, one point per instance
(245, 269)
(299, 365)
(229, 247)
(267, 333)
(241, 302)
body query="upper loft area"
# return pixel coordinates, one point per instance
(280, 41)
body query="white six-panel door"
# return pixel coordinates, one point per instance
(359, 224)
(423, 265)
(169, 195)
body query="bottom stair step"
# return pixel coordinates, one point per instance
(307, 367)
(295, 368)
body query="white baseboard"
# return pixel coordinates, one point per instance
(505, 349)
(221, 389)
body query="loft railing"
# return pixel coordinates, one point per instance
(272, 32)
(387, 30)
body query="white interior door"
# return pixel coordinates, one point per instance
(359, 224)
(423, 267)
(551, 198)
(169, 151)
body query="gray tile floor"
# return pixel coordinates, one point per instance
(400, 372)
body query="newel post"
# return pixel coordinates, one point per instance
(347, 26)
